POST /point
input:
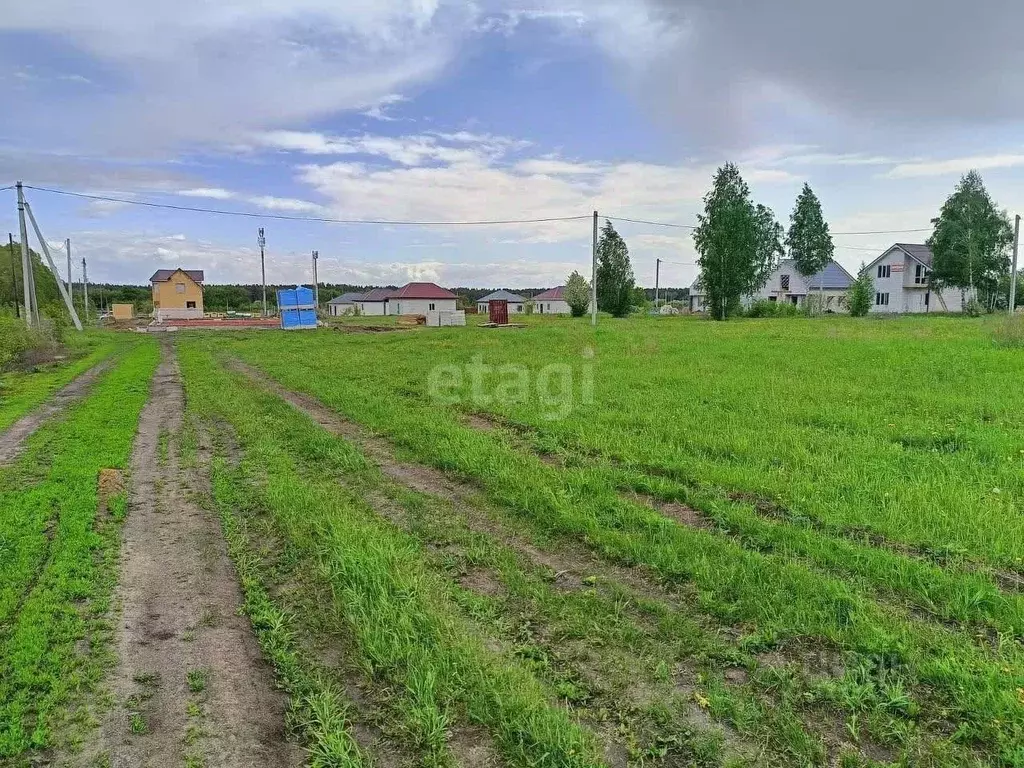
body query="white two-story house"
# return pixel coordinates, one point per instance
(902, 285)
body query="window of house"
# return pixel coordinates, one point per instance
(884, 270)
(431, 308)
(881, 299)
(920, 274)
(190, 305)
(179, 287)
(784, 282)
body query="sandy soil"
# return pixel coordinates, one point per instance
(190, 681)
(13, 439)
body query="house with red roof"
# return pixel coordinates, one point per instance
(410, 299)
(551, 302)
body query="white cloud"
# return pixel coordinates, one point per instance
(286, 204)
(213, 193)
(956, 165)
(194, 72)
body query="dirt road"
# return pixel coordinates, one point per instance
(13, 439)
(190, 686)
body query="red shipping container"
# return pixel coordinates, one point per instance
(497, 311)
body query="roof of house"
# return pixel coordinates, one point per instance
(502, 296)
(920, 252)
(422, 291)
(553, 294)
(834, 277)
(377, 294)
(163, 275)
(346, 298)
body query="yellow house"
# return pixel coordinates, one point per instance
(177, 293)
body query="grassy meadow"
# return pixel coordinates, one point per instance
(829, 508)
(661, 542)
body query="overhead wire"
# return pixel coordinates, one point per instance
(295, 217)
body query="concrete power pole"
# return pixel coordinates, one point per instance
(85, 291)
(14, 275)
(262, 241)
(657, 275)
(1013, 274)
(67, 249)
(593, 276)
(316, 282)
(53, 267)
(26, 263)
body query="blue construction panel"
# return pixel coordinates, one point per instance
(297, 308)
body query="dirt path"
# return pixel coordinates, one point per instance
(190, 685)
(14, 438)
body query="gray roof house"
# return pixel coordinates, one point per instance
(343, 304)
(902, 280)
(785, 283)
(515, 301)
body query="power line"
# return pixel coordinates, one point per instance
(652, 223)
(287, 217)
(690, 226)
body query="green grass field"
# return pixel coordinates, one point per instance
(661, 542)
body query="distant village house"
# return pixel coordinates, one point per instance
(516, 303)
(177, 294)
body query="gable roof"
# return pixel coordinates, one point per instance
(422, 291)
(922, 254)
(502, 295)
(346, 298)
(834, 277)
(163, 275)
(377, 294)
(553, 294)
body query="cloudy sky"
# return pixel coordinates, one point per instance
(469, 110)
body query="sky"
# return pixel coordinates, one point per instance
(485, 110)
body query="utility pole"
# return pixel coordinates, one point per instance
(262, 240)
(1013, 274)
(53, 268)
(593, 278)
(67, 249)
(26, 263)
(14, 275)
(316, 282)
(85, 291)
(657, 274)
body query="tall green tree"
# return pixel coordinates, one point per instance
(971, 240)
(808, 240)
(577, 294)
(615, 279)
(738, 243)
(861, 293)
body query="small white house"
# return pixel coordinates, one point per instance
(902, 284)
(551, 302)
(420, 298)
(515, 302)
(346, 304)
(374, 302)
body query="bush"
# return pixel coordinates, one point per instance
(17, 340)
(765, 308)
(1009, 332)
(973, 308)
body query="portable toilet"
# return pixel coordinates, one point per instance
(297, 307)
(497, 311)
